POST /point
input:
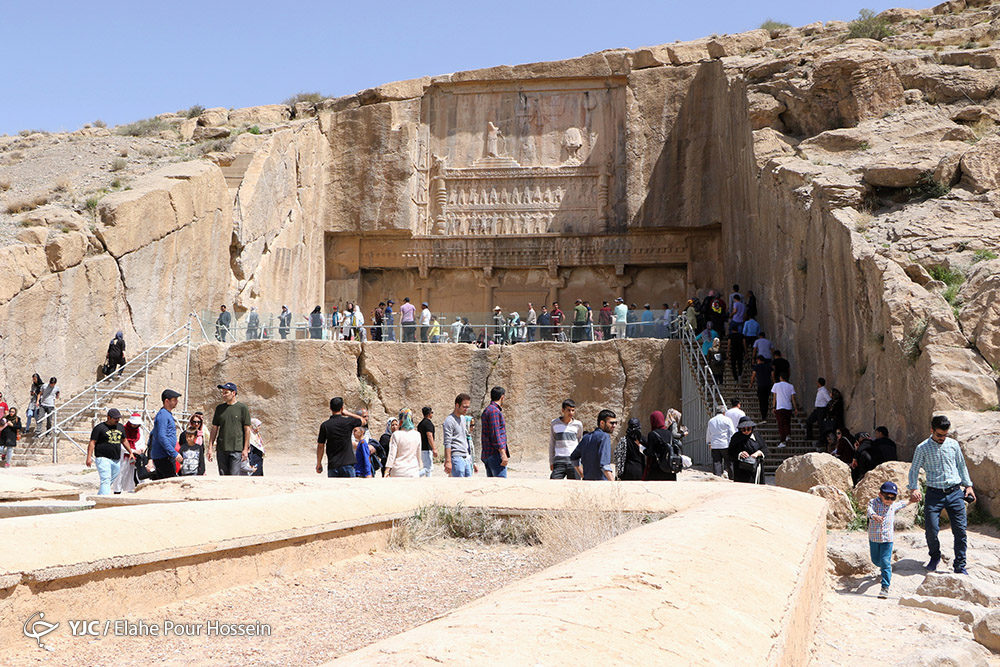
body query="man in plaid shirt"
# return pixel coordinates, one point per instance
(881, 518)
(941, 457)
(494, 450)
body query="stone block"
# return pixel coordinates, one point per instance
(738, 44)
(65, 250)
(960, 587)
(208, 133)
(839, 511)
(981, 165)
(808, 470)
(987, 630)
(214, 117)
(268, 114)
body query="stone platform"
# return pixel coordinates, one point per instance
(732, 574)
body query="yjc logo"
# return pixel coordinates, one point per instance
(36, 629)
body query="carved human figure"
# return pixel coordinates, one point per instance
(573, 140)
(493, 137)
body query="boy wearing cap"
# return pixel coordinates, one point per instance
(881, 517)
(163, 437)
(105, 450)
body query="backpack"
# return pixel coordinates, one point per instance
(668, 455)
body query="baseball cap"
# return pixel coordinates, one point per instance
(619, 300)
(114, 414)
(424, 304)
(391, 302)
(229, 385)
(135, 419)
(169, 393)
(890, 487)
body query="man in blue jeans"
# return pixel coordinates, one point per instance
(458, 460)
(335, 440)
(948, 487)
(105, 450)
(495, 453)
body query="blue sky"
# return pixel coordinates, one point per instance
(69, 63)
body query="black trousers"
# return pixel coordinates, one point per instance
(737, 353)
(764, 397)
(817, 416)
(563, 469)
(720, 462)
(165, 468)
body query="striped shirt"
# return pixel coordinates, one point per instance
(881, 531)
(494, 431)
(944, 464)
(563, 438)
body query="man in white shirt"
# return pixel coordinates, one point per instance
(784, 404)
(621, 317)
(532, 322)
(425, 322)
(719, 432)
(564, 435)
(818, 414)
(736, 413)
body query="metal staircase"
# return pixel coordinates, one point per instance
(74, 418)
(700, 395)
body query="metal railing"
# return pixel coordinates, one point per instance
(700, 394)
(463, 327)
(95, 399)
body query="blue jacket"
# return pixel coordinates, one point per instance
(163, 439)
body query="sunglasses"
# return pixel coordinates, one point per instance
(889, 496)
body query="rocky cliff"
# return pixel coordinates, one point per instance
(854, 180)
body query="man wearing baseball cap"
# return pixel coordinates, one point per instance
(881, 518)
(105, 450)
(163, 438)
(230, 431)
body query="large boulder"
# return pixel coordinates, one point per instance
(890, 471)
(765, 111)
(981, 165)
(987, 630)
(738, 44)
(949, 651)
(943, 84)
(850, 559)
(960, 587)
(268, 114)
(979, 435)
(808, 470)
(65, 250)
(906, 166)
(213, 117)
(208, 133)
(839, 510)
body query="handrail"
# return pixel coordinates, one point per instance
(706, 379)
(96, 394)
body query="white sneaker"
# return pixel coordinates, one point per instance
(781, 444)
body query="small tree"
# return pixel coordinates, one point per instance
(869, 26)
(773, 26)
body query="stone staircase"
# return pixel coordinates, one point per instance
(143, 378)
(768, 430)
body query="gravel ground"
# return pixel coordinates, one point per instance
(314, 615)
(66, 169)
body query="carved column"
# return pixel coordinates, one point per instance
(555, 282)
(602, 195)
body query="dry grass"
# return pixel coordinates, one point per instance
(862, 221)
(983, 127)
(63, 184)
(562, 534)
(4, 185)
(118, 164)
(150, 151)
(22, 205)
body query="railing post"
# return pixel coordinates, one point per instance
(145, 383)
(55, 434)
(187, 366)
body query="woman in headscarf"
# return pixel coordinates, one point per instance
(382, 449)
(844, 446)
(716, 362)
(116, 354)
(659, 443)
(256, 453)
(674, 425)
(706, 337)
(691, 315)
(630, 462)
(36, 391)
(404, 448)
(747, 451)
(316, 323)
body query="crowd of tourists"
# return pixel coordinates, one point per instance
(407, 324)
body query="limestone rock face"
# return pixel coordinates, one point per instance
(960, 587)
(977, 434)
(735, 45)
(269, 114)
(946, 83)
(981, 165)
(808, 470)
(66, 250)
(630, 378)
(207, 133)
(904, 167)
(980, 315)
(952, 652)
(768, 144)
(987, 630)
(186, 129)
(839, 510)
(765, 111)
(847, 87)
